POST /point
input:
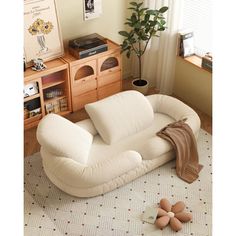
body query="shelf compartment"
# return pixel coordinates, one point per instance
(32, 119)
(33, 104)
(109, 64)
(59, 106)
(52, 67)
(53, 79)
(26, 99)
(82, 71)
(51, 84)
(51, 100)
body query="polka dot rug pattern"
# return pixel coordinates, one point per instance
(51, 212)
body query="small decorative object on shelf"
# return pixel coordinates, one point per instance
(63, 104)
(38, 64)
(32, 104)
(207, 61)
(30, 89)
(49, 108)
(52, 93)
(35, 112)
(57, 106)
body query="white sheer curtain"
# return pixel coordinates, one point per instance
(159, 59)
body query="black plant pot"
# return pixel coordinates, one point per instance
(140, 85)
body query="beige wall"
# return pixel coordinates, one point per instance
(193, 85)
(108, 24)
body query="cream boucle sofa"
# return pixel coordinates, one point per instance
(115, 146)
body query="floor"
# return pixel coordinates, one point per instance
(51, 212)
(31, 145)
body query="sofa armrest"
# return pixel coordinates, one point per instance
(61, 137)
(176, 109)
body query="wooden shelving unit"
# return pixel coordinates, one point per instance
(56, 76)
(95, 77)
(67, 84)
(51, 84)
(31, 97)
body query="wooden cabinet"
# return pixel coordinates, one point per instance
(94, 77)
(53, 92)
(69, 84)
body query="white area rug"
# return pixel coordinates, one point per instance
(49, 211)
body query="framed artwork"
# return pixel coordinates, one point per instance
(42, 35)
(92, 9)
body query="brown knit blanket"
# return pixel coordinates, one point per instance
(181, 136)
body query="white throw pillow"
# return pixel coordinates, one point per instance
(120, 115)
(61, 137)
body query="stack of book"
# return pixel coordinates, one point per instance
(57, 106)
(63, 104)
(207, 61)
(185, 47)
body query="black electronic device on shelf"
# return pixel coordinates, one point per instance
(87, 46)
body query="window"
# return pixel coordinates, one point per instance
(197, 15)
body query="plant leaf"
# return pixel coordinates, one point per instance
(137, 25)
(128, 23)
(133, 18)
(151, 12)
(147, 17)
(163, 9)
(131, 8)
(161, 29)
(153, 23)
(133, 3)
(162, 21)
(139, 4)
(124, 33)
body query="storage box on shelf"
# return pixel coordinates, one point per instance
(53, 92)
(95, 77)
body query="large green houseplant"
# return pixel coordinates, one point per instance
(144, 24)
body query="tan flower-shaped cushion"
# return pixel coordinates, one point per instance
(174, 215)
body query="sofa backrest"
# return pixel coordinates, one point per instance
(120, 115)
(176, 109)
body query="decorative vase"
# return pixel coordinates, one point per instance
(140, 85)
(42, 44)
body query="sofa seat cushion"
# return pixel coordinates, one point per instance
(120, 115)
(64, 138)
(145, 142)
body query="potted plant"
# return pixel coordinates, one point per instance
(144, 24)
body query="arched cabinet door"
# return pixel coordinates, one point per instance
(83, 78)
(108, 64)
